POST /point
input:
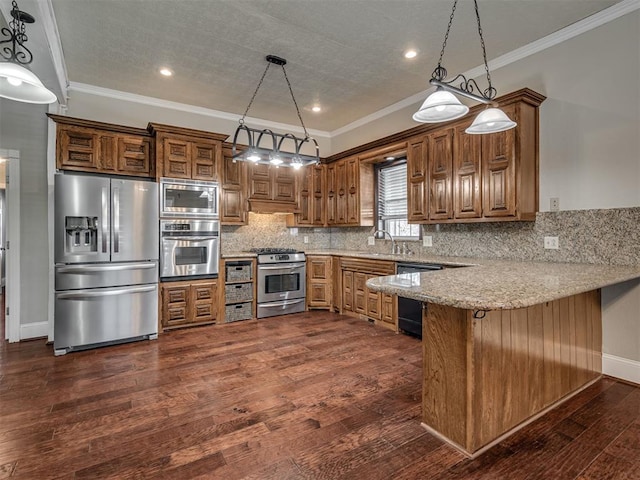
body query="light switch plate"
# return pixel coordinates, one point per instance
(305, 239)
(371, 240)
(427, 241)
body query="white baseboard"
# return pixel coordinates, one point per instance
(34, 330)
(621, 368)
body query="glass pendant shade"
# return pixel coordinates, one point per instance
(440, 106)
(19, 84)
(490, 120)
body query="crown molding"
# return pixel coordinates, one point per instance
(597, 19)
(183, 107)
(52, 34)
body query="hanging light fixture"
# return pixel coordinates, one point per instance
(272, 152)
(16, 82)
(443, 105)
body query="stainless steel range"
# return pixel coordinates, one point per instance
(281, 281)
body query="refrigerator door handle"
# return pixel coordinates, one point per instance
(83, 294)
(105, 218)
(104, 268)
(116, 219)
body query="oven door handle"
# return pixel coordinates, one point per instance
(282, 304)
(193, 239)
(282, 266)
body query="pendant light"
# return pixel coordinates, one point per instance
(16, 82)
(443, 105)
(267, 147)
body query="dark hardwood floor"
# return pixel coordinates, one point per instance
(306, 396)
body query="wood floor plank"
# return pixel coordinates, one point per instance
(306, 396)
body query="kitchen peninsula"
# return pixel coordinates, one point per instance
(504, 341)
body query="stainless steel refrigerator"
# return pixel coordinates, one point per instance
(106, 261)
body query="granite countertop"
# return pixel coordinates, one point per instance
(485, 284)
(495, 285)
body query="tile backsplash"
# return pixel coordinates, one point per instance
(609, 236)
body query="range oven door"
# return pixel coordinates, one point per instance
(281, 281)
(189, 256)
(188, 198)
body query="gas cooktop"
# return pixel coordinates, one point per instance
(273, 250)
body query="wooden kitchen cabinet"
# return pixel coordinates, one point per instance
(417, 178)
(440, 162)
(312, 193)
(188, 303)
(350, 199)
(356, 299)
(477, 178)
(319, 282)
(187, 153)
(88, 146)
(467, 173)
(238, 289)
(233, 189)
(272, 189)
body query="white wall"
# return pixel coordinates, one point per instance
(23, 127)
(589, 124)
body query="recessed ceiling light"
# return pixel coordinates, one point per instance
(410, 54)
(166, 72)
(316, 108)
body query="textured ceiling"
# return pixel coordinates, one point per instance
(344, 54)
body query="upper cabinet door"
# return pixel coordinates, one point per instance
(134, 155)
(499, 171)
(467, 201)
(418, 200)
(441, 173)
(77, 147)
(176, 158)
(204, 157)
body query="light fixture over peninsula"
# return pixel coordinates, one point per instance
(16, 81)
(443, 105)
(265, 146)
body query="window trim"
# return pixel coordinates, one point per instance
(377, 222)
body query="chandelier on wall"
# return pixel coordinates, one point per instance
(16, 81)
(267, 147)
(443, 105)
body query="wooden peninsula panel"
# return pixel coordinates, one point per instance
(485, 376)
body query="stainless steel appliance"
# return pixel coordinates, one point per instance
(189, 248)
(188, 198)
(409, 310)
(281, 281)
(106, 261)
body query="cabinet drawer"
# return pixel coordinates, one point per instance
(202, 292)
(238, 272)
(237, 312)
(176, 294)
(241, 292)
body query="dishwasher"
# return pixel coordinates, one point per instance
(409, 310)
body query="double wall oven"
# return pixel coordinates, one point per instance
(189, 229)
(281, 281)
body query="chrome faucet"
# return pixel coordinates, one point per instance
(393, 242)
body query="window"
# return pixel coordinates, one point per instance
(392, 201)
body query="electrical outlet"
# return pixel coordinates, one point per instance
(371, 240)
(427, 241)
(305, 239)
(293, 232)
(551, 243)
(554, 204)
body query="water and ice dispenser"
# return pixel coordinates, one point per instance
(81, 234)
